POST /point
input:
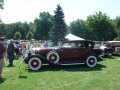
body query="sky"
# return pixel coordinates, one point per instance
(28, 10)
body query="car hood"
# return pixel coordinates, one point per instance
(44, 48)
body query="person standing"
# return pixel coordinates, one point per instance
(27, 46)
(23, 47)
(16, 48)
(2, 55)
(10, 52)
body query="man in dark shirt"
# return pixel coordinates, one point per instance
(2, 55)
(10, 52)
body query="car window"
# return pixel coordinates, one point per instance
(79, 45)
(66, 45)
(72, 45)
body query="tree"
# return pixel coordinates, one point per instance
(43, 25)
(111, 34)
(0, 21)
(1, 7)
(25, 29)
(58, 31)
(117, 25)
(79, 28)
(29, 35)
(99, 25)
(8, 30)
(1, 29)
(17, 36)
(11, 29)
(32, 27)
(1, 4)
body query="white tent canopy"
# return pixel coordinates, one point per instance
(73, 37)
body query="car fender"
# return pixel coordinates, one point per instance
(88, 54)
(43, 59)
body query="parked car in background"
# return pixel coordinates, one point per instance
(67, 53)
(106, 51)
(115, 45)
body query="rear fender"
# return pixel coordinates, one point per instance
(99, 58)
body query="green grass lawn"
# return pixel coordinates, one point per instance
(105, 76)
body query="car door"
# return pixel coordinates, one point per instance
(67, 54)
(81, 51)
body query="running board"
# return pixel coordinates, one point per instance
(73, 64)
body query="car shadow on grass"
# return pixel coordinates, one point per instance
(106, 58)
(116, 55)
(70, 68)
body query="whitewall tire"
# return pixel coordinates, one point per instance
(53, 57)
(34, 63)
(91, 61)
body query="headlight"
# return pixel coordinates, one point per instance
(29, 53)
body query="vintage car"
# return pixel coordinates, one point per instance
(107, 51)
(67, 53)
(115, 45)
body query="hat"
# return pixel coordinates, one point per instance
(1, 38)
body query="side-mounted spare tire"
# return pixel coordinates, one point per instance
(35, 63)
(91, 60)
(53, 57)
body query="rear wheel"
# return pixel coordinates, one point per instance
(34, 63)
(91, 61)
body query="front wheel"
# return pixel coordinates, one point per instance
(53, 57)
(34, 63)
(91, 61)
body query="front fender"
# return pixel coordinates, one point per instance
(43, 59)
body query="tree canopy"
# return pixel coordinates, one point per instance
(1, 4)
(17, 36)
(100, 25)
(43, 25)
(58, 31)
(29, 35)
(118, 26)
(79, 28)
